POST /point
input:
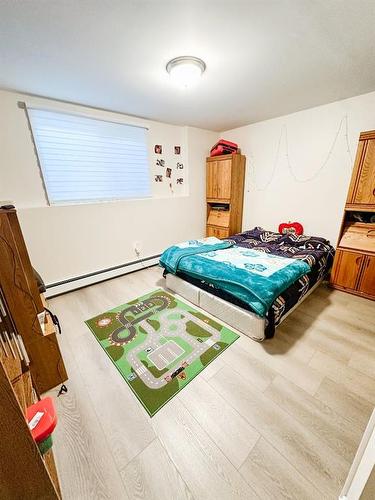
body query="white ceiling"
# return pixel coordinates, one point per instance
(264, 58)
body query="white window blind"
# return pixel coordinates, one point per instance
(86, 159)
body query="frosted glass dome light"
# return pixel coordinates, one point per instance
(186, 70)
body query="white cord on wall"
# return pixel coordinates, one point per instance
(284, 133)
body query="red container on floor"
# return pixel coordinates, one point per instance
(42, 419)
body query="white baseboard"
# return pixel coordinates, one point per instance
(70, 284)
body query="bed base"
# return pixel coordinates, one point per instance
(247, 322)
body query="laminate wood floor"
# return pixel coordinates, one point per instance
(281, 419)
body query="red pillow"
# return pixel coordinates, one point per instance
(291, 227)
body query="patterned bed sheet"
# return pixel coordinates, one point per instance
(316, 251)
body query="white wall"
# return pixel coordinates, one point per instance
(318, 203)
(68, 241)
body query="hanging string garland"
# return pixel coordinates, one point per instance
(275, 162)
(344, 119)
(284, 132)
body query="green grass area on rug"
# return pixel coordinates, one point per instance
(159, 344)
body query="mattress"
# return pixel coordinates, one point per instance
(316, 251)
(245, 321)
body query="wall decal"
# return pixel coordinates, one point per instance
(160, 163)
(180, 166)
(177, 150)
(168, 172)
(158, 178)
(158, 149)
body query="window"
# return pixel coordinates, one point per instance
(87, 160)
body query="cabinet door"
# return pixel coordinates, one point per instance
(346, 268)
(367, 284)
(358, 235)
(362, 187)
(218, 180)
(224, 171)
(218, 218)
(211, 180)
(217, 231)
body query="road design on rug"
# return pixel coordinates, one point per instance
(153, 304)
(159, 343)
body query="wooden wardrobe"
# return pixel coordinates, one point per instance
(225, 178)
(354, 265)
(30, 364)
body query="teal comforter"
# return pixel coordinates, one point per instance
(254, 277)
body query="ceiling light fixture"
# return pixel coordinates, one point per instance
(186, 70)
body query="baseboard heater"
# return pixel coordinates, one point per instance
(70, 284)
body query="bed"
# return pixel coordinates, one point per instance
(309, 257)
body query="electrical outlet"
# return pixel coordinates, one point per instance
(137, 248)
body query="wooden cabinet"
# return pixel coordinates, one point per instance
(354, 265)
(354, 272)
(30, 364)
(225, 176)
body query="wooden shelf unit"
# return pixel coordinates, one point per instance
(30, 364)
(225, 179)
(354, 265)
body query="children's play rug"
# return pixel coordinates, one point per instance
(159, 344)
